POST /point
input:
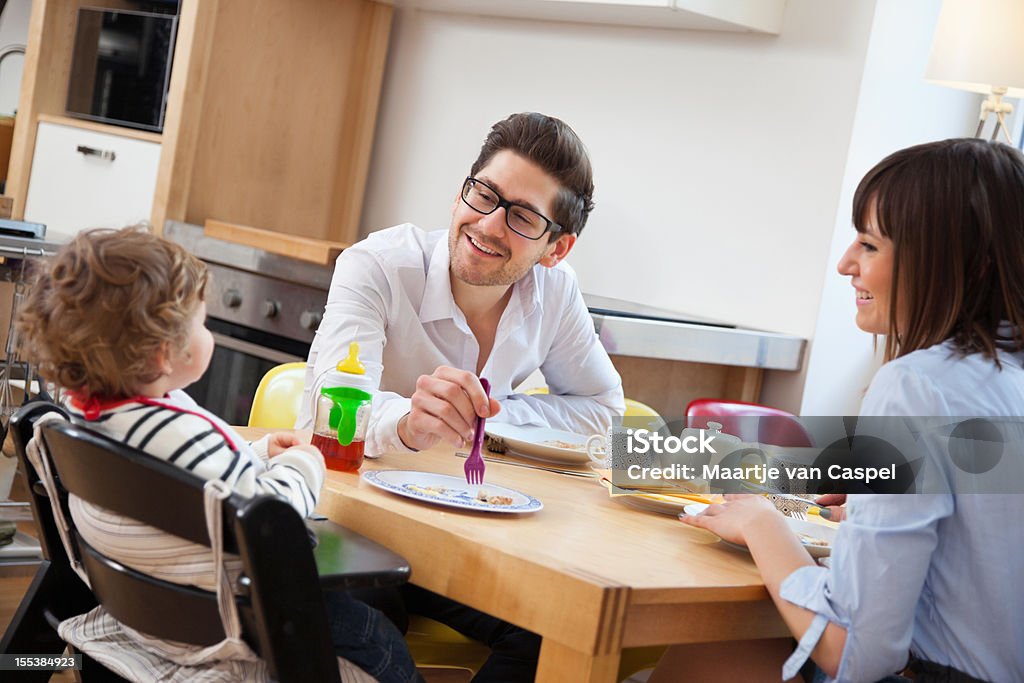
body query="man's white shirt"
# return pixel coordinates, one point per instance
(391, 293)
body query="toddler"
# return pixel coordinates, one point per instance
(118, 320)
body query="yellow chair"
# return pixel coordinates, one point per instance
(633, 408)
(638, 409)
(432, 644)
(278, 397)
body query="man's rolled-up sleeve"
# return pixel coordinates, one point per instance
(382, 434)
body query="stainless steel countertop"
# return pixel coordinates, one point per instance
(696, 343)
(630, 329)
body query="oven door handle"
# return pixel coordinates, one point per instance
(254, 349)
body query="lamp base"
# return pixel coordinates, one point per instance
(994, 104)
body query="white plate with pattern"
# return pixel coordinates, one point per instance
(441, 489)
(541, 443)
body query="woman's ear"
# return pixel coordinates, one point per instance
(558, 250)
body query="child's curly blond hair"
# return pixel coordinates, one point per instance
(109, 302)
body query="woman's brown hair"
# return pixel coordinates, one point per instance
(96, 317)
(954, 211)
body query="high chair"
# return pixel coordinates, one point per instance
(278, 596)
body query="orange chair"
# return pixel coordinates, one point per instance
(775, 427)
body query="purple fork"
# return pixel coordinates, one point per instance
(474, 466)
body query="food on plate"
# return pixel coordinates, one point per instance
(493, 499)
(494, 444)
(430, 490)
(807, 539)
(568, 445)
(445, 492)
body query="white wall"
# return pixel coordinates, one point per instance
(717, 156)
(896, 109)
(13, 31)
(724, 162)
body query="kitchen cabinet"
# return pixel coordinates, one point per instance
(270, 116)
(757, 16)
(85, 178)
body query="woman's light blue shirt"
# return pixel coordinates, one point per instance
(941, 575)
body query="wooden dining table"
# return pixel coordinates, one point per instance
(589, 574)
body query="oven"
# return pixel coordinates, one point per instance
(263, 310)
(241, 356)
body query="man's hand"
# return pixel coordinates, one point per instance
(445, 406)
(279, 442)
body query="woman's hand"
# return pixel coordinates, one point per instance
(279, 442)
(740, 514)
(835, 504)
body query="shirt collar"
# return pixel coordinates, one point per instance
(528, 292)
(438, 302)
(92, 407)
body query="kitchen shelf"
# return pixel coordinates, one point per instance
(110, 129)
(753, 16)
(271, 112)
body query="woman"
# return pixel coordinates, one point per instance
(938, 268)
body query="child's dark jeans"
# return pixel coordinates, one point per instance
(368, 639)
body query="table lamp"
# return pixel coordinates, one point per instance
(978, 46)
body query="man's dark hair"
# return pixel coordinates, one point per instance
(554, 146)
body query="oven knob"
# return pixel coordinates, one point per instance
(310, 320)
(270, 308)
(232, 298)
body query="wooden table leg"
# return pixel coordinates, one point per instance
(560, 663)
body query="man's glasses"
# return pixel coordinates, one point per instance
(481, 197)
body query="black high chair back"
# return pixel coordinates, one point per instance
(279, 599)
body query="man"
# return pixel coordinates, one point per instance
(492, 297)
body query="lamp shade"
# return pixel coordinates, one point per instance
(978, 46)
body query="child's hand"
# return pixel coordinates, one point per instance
(280, 442)
(308, 448)
(733, 519)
